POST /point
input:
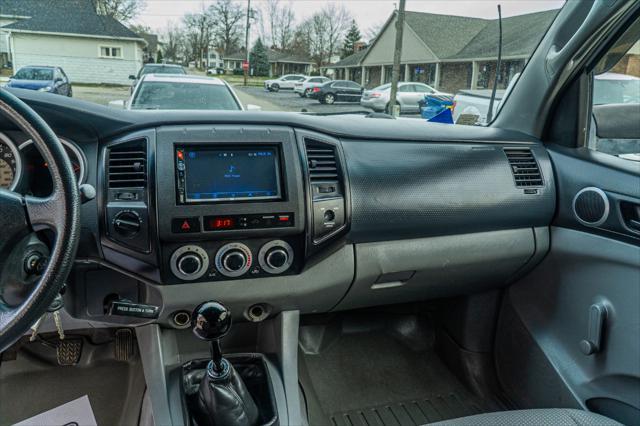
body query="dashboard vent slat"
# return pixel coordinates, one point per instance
(322, 161)
(127, 165)
(524, 167)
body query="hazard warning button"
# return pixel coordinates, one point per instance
(185, 225)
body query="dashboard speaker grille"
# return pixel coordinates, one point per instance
(591, 206)
(524, 167)
(127, 165)
(322, 161)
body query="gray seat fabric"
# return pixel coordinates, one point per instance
(537, 417)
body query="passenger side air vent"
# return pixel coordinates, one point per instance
(322, 161)
(524, 167)
(127, 165)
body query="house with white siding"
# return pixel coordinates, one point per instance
(91, 48)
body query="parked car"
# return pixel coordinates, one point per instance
(338, 91)
(287, 81)
(408, 96)
(182, 92)
(42, 79)
(305, 87)
(156, 69)
(608, 88)
(614, 88)
(215, 71)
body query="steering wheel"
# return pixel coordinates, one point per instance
(21, 216)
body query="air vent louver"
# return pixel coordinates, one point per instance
(524, 167)
(322, 161)
(127, 165)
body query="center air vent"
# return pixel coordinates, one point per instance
(322, 161)
(127, 165)
(524, 167)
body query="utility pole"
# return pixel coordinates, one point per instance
(397, 56)
(246, 44)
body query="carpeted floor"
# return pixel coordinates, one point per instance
(372, 379)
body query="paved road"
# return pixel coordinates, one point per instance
(287, 100)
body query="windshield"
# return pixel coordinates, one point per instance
(43, 74)
(161, 70)
(175, 95)
(106, 47)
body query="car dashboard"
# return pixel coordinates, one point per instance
(282, 211)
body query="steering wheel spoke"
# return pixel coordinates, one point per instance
(45, 213)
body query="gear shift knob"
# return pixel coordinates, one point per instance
(210, 320)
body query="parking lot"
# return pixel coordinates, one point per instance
(285, 100)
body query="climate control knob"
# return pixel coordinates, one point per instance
(127, 223)
(234, 260)
(276, 256)
(189, 262)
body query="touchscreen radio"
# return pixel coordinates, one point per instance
(223, 174)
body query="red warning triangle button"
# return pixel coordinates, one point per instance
(185, 225)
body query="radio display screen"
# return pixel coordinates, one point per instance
(228, 174)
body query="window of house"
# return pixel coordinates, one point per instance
(110, 52)
(615, 97)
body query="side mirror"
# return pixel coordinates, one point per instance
(132, 77)
(58, 80)
(117, 104)
(252, 107)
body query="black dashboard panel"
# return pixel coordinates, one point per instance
(352, 186)
(408, 190)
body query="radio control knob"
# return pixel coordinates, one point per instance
(276, 258)
(189, 264)
(234, 260)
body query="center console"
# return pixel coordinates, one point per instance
(209, 203)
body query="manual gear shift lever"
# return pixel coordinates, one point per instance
(223, 398)
(211, 321)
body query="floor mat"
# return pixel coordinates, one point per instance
(31, 385)
(373, 379)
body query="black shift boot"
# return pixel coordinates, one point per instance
(223, 399)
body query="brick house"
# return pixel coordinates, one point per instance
(448, 52)
(91, 48)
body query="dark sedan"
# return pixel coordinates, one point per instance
(42, 79)
(338, 91)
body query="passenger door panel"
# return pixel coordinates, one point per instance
(588, 268)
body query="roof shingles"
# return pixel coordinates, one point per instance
(76, 17)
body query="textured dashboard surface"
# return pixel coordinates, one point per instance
(408, 190)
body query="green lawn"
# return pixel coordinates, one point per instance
(239, 80)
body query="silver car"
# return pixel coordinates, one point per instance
(409, 94)
(285, 82)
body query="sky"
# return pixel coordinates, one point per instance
(367, 13)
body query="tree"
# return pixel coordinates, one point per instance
(199, 34)
(280, 22)
(227, 24)
(258, 59)
(353, 36)
(159, 57)
(372, 32)
(174, 43)
(122, 10)
(337, 19)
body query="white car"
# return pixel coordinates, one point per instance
(304, 87)
(408, 97)
(287, 81)
(182, 92)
